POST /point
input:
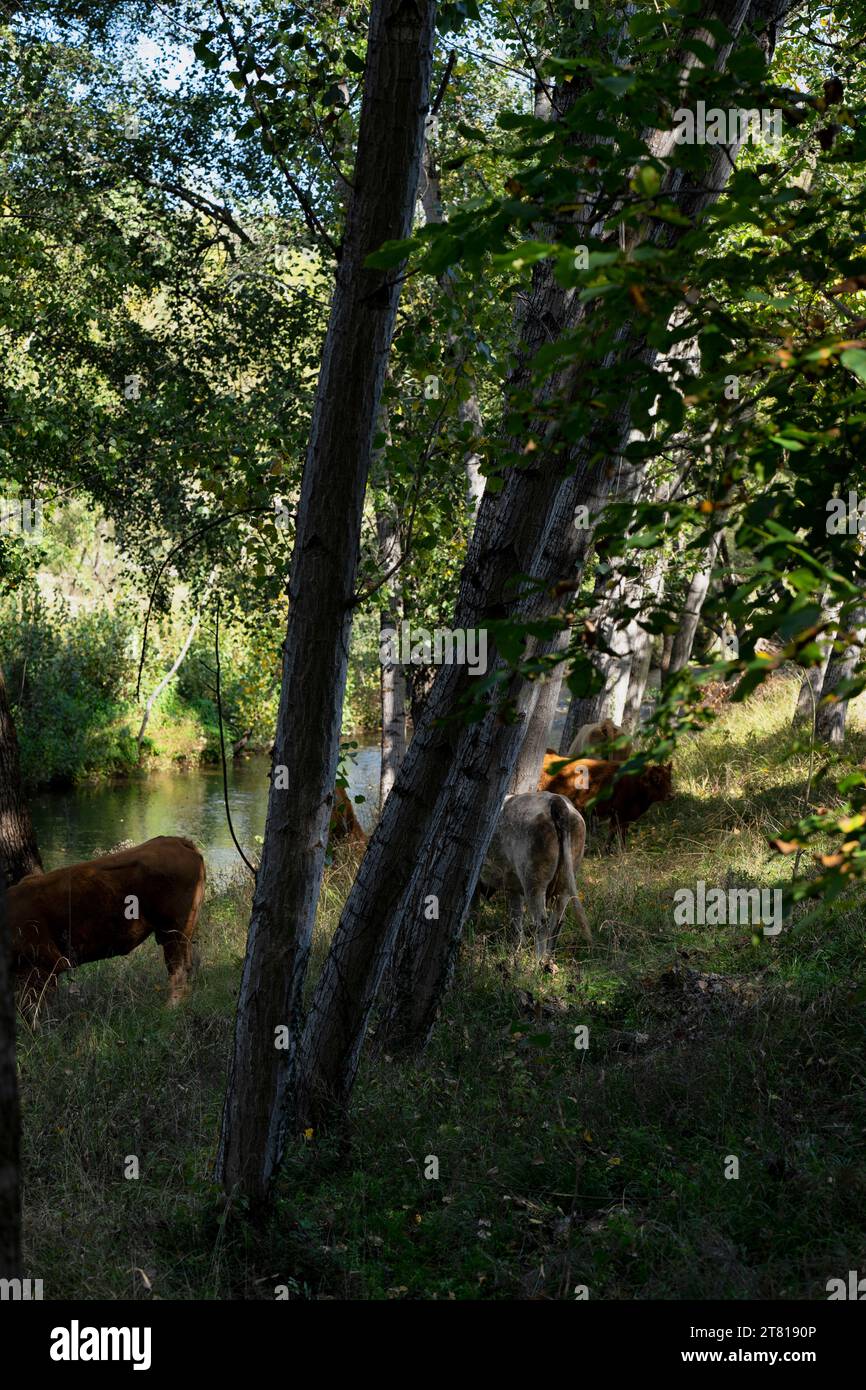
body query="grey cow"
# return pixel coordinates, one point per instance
(535, 850)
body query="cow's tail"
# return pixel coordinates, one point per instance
(569, 823)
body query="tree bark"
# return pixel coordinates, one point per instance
(813, 681)
(699, 587)
(612, 659)
(258, 1103)
(832, 711)
(10, 1118)
(393, 677)
(641, 654)
(527, 769)
(423, 860)
(583, 709)
(19, 852)
(641, 648)
(468, 408)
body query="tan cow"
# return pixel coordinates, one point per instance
(107, 907)
(594, 741)
(536, 847)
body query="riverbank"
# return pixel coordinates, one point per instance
(78, 699)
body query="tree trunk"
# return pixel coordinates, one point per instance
(810, 691)
(613, 658)
(641, 649)
(684, 641)
(393, 676)
(424, 857)
(832, 711)
(813, 681)
(641, 653)
(19, 852)
(423, 864)
(468, 409)
(259, 1097)
(584, 709)
(10, 1119)
(527, 769)
(165, 681)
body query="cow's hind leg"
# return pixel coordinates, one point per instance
(556, 917)
(515, 915)
(541, 920)
(177, 949)
(176, 943)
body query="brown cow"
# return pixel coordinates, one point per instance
(581, 780)
(107, 907)
(344, 824)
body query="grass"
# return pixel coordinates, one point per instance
(557, 1166)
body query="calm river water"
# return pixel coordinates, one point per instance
(89, 820)
(78, 824)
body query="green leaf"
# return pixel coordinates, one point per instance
(527, 253)
(793, 444)
(855, 360)
(205, 55)
(617, 85)
(390, 254)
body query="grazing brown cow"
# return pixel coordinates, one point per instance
(344, 824)
(594, 740)
(107, 907)
(536, 847)
(583, 779)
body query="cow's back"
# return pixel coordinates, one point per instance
(578, 780)
(107, 906)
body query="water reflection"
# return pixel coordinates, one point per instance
(78, 824)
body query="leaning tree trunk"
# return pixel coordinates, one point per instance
(641, 648)
(813, 681)
(536, 742)
(392, 679)
(699, 587)
(10, 1120)
(621, 641)
(19, 852)
(166, 680)
(321, 591)
(640, 645)
(468, 408)
(612, 659)
(587, 709)
(423, 860)
(832, 710)
(425, 852)
(527, 769)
